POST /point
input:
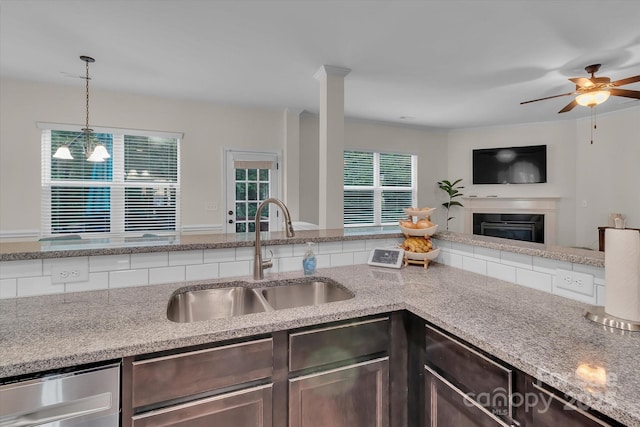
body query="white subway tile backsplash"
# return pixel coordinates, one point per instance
(280, 251)
(72, 262)
(516, 260)
(534, 279)
(203, 271)
(126, 278)
(361, 257)
(150, 260)
(219, 255)
(236, 268)
(185, 257)
(33, 277)
(8, 288)
(109, 263)
(486, 254)
(474, 265)
(290, 264)
(96, 282)
(501, 271)
(323, 260)
(596, 272)
(23, 268)
(549, 266)
(353, 245)
(31, 286)
(246, 253)
(338, 260)
(167, 274)
(461, 249)
(329, 247)
(600, 295)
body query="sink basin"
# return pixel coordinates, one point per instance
(207, 304)
(299, 294)
(231, 301)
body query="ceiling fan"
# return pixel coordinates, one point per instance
(595, 90)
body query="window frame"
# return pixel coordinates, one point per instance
(117, 185)
(378, 189)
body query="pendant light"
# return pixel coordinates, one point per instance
(93, 149)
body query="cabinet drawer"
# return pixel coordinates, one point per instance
(170, 377)
(317, 347)
(479, 377)
(247, 408)
(445, 405)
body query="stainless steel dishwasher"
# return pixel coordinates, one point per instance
(88, 397)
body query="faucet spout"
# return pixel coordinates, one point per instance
(258, 264)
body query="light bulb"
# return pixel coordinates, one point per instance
(591, 99)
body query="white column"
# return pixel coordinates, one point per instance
(330, 198)
(291, 162)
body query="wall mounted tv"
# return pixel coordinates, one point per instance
(510, 165)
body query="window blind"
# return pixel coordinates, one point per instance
(135, 191)
(377, 187)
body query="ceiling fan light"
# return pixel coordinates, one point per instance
(63, 153)
(591, 99)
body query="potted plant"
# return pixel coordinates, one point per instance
(453, 190)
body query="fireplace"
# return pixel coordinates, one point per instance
(527, 227)
(534, 220)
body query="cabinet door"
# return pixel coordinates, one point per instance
(245, 408)
(552, 410)
(352, 396)
(446, 406)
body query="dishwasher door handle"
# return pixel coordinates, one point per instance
(62, 411)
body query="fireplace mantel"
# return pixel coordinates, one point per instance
(530, 205)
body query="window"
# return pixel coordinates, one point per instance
(136, 191)
(377, 186)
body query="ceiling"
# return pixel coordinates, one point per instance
(444, 64)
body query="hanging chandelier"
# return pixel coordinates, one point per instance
(91, 146)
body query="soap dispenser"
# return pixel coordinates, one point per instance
(309, 261)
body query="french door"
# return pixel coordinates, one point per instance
(251, 178)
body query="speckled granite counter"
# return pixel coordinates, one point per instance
(73, 248)
(541, 334)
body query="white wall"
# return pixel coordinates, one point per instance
(429, 145)
(207, 128)
(606, 174)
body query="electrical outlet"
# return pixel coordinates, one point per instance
(69, 273)
(575, 282)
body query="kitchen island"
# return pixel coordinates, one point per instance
(540, 334)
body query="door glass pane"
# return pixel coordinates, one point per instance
(264, 174)
(252, 174)
(253, 207)
(241, 174)
(241, 191)
(264, 191)
(241, 227)
(241, 211)
(252, 193)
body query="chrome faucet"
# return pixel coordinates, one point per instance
(258, 264)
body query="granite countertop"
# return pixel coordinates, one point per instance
(14, 251)
(539, 333)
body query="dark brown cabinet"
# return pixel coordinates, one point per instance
(352, 396)
(445, 405)
(246, 408)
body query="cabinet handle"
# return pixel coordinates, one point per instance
(570, 405)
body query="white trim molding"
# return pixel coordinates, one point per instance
(546, 206)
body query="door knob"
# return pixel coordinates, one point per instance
(230, 212)
(230, 221)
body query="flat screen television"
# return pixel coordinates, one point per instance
(510, 165)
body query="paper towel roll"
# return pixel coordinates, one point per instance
(622, 273)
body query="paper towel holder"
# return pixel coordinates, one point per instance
(598, 315)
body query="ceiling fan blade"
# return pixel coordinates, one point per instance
(548, 97)
(625, 92)
(582, 82)
(626, 81)
(569, 107)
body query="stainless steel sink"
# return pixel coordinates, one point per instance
(231, 301)
(300, 294)
(207, 304)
